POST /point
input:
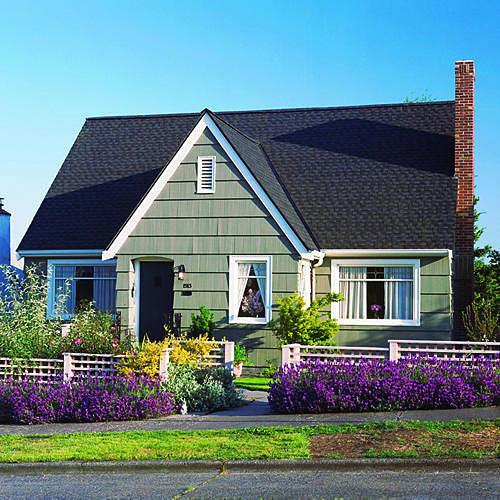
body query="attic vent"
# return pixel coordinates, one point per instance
(206, 174)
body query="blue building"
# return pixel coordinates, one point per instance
(5, 243)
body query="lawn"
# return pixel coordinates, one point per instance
(477, 439)
(253, 383)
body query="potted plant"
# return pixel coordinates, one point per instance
(240, 358)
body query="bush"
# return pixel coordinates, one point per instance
(146, 358)
(203, 388)
(202, 323)
(416, 383)
(481, 321)
(84, 399)
(241, 355)
(25, 331)
(297, 324)
(93, 331)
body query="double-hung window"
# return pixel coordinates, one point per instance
(377, 291)
(250, 289)
(73, 283)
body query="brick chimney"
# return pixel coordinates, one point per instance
(464, 173)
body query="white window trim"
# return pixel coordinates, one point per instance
(51, 277)
(199, 184)
(233, 289)
(335, 274)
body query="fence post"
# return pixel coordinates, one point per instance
(285, 355)
(393, 350)
(68, 366)
(164, 361)
(229, 355)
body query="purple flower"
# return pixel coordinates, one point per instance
(376, 385)
(375, 308)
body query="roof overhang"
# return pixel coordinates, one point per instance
(59, 253)
(387, 252)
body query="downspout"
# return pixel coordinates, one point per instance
(316, 259)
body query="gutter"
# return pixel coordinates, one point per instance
(380, 252)
(58, 253)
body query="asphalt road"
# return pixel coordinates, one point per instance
(241, 484)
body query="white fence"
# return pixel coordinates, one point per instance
(398, 349)
(74, 364)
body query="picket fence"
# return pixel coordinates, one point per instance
(398, 349)
(75, 364)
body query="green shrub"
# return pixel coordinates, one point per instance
(270, 369)
(202, 389)
(481, 321)
(25, 331)
(241, 355)
(297, 324)
(202, 323)
(93, 331)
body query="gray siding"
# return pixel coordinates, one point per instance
(201, 231)
(435, 308)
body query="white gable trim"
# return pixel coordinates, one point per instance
(204, 122)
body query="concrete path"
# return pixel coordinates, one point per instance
(255, 414)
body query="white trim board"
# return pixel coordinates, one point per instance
(204, 123)
(378, 252)
(59, 253)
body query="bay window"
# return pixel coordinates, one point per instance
(377, 291)
(250, 289)
(80, 282)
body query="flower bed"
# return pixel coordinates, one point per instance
(84, 399)
(374, 385)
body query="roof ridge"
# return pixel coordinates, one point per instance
(272, 110)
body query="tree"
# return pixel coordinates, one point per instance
(481, 317)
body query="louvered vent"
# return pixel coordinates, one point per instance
(206, 174)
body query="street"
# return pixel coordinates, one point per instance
(292, 484)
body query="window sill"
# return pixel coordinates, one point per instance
(380, 322)
(249, 321)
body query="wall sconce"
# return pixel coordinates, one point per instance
(180, 270)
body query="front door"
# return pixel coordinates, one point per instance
(156, 298)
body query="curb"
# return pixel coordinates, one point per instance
(345, 465)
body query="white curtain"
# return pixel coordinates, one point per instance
(243, 272)
(354, 304)
(398, 294)
(64, 276)
(104, 288)
(260, 274)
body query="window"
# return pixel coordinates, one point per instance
(206, 174)
(377, 291)
(250, 289)
(82, 281)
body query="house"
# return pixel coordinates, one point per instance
(374, 201)
(5, 260)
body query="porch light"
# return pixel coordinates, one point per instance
(180, 270)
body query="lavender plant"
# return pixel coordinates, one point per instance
(84, 399)
(414, 383)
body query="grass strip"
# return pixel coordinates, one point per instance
(430, 439)
(253, 383)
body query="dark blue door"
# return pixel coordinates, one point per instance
(156, 298)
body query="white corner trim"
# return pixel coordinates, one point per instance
(233, 289)
(335, 288)
(204, 122)
(379, 252)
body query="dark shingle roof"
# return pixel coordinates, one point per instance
(376, 176)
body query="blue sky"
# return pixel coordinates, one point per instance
(63, 61)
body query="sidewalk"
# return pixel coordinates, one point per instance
(256, 413)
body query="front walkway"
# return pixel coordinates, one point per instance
(255, 414)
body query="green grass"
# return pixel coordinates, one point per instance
(253, 383)
(257, 443)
